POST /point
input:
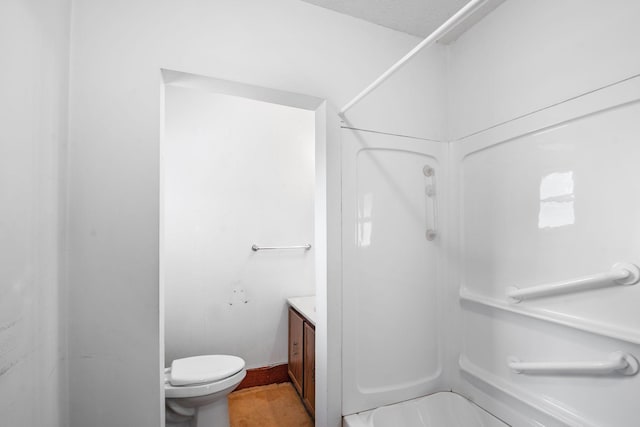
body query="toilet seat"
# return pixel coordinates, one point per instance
(190, 391)
(203, 376)
(204, 369)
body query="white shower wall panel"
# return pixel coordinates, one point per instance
(492, 338)
(391, 348)
(546, 198)
(557, 204)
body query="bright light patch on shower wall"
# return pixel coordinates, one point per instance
(364, 220)
(556, 200)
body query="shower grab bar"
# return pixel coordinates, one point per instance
(457, 18)
(257, 248)
(617, 362)
(620, 274)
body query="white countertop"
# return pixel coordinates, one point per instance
(305, 306)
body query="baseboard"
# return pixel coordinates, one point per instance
(265, 376)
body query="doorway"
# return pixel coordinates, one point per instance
(241, 165)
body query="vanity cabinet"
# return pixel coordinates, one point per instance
(302, 358)
(309, 364)
(296, 355)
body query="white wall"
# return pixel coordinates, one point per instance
(118, 48)
(34, 40)
(527, 55)
(236, 172)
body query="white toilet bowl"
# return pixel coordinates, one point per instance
(196, 389)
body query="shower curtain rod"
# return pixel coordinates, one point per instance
(458, 17)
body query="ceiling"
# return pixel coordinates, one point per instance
(416, 17)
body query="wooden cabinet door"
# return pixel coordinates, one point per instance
(296, 323)
(309, 395)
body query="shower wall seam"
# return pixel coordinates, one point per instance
(392, 134)
(542, 109)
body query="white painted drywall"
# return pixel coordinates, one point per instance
(528, 55)
(34, 44)
(118, 48)
(236, 172)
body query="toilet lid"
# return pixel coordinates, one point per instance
(204, 369)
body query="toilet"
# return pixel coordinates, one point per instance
(196, 389)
